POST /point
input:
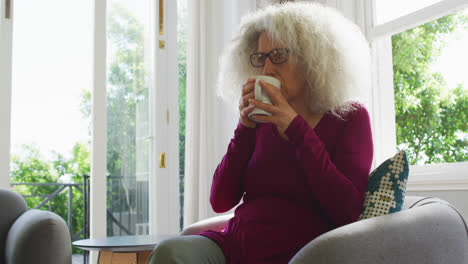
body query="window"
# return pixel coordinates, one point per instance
(182, 35)
(431, 91)
(51, 73)
(417, 86)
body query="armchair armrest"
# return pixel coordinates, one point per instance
(216, 223)
(429, 233)
(40, 237)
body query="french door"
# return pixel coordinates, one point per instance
(134, 174)
(142, 116)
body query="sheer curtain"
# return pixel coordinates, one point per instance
(210, 122)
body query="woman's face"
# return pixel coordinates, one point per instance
(291, 78)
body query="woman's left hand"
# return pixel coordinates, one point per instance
(282, 114)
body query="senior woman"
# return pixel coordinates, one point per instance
(303, 170)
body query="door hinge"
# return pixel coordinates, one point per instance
(161, 17)
(162, 160)
(7, 9)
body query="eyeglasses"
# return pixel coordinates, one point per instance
(277, 56)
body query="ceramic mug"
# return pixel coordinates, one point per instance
(263, 96)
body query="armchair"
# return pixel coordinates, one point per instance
(31, 236)
(427, 230)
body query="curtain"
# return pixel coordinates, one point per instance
(210, 122)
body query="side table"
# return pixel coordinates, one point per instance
(122, 249)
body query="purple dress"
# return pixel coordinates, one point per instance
(293, 191)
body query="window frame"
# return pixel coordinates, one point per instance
(6, 37)
(430, 177)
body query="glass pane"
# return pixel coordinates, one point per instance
(128, 127)
(387, 10)
(51, 84)
(431, 90)
(182, 34)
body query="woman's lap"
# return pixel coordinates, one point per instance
(187, 249)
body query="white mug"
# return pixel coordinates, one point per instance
(263, 96)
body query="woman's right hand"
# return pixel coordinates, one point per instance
(244, 107)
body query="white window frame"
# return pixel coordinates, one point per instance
(164, 182)
(6, 26)
(445, 176)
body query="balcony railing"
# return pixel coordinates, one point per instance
(49, 198)
(120, 219)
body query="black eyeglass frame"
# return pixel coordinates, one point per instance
(268, 55)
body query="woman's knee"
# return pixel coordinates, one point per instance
(166, 251)
(187, 249)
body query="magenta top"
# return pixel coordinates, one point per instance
(293, 191)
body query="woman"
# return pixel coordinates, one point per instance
(303, 170)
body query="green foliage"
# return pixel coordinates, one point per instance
(430, 117)
(182, 63)
(126, 91)
(33, 167)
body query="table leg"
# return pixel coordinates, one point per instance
(143, 256)
(109, 257)
(105, 257)
(124, 258)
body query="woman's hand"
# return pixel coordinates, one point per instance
(244, 107)
(282, 114)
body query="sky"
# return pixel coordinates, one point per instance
(52, 63)
(54, 50)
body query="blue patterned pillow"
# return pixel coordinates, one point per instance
(386, 187)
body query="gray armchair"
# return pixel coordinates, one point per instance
(427, 230)
(31, 236)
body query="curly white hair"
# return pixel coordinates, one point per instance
(330, 49)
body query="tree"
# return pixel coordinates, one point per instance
(182, 63)
(33, 167)
(430, 117)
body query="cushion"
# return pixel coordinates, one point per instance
(12, 205)
(39, 237)
(386, 187)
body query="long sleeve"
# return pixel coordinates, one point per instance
(227, 187)
(338, 185)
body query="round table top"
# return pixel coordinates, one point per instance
(121, 243)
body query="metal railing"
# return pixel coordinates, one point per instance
(119, 203)
(49, 198)
(118, 199)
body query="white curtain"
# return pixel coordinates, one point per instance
(210, 122)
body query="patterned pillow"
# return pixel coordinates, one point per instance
(385, 190)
